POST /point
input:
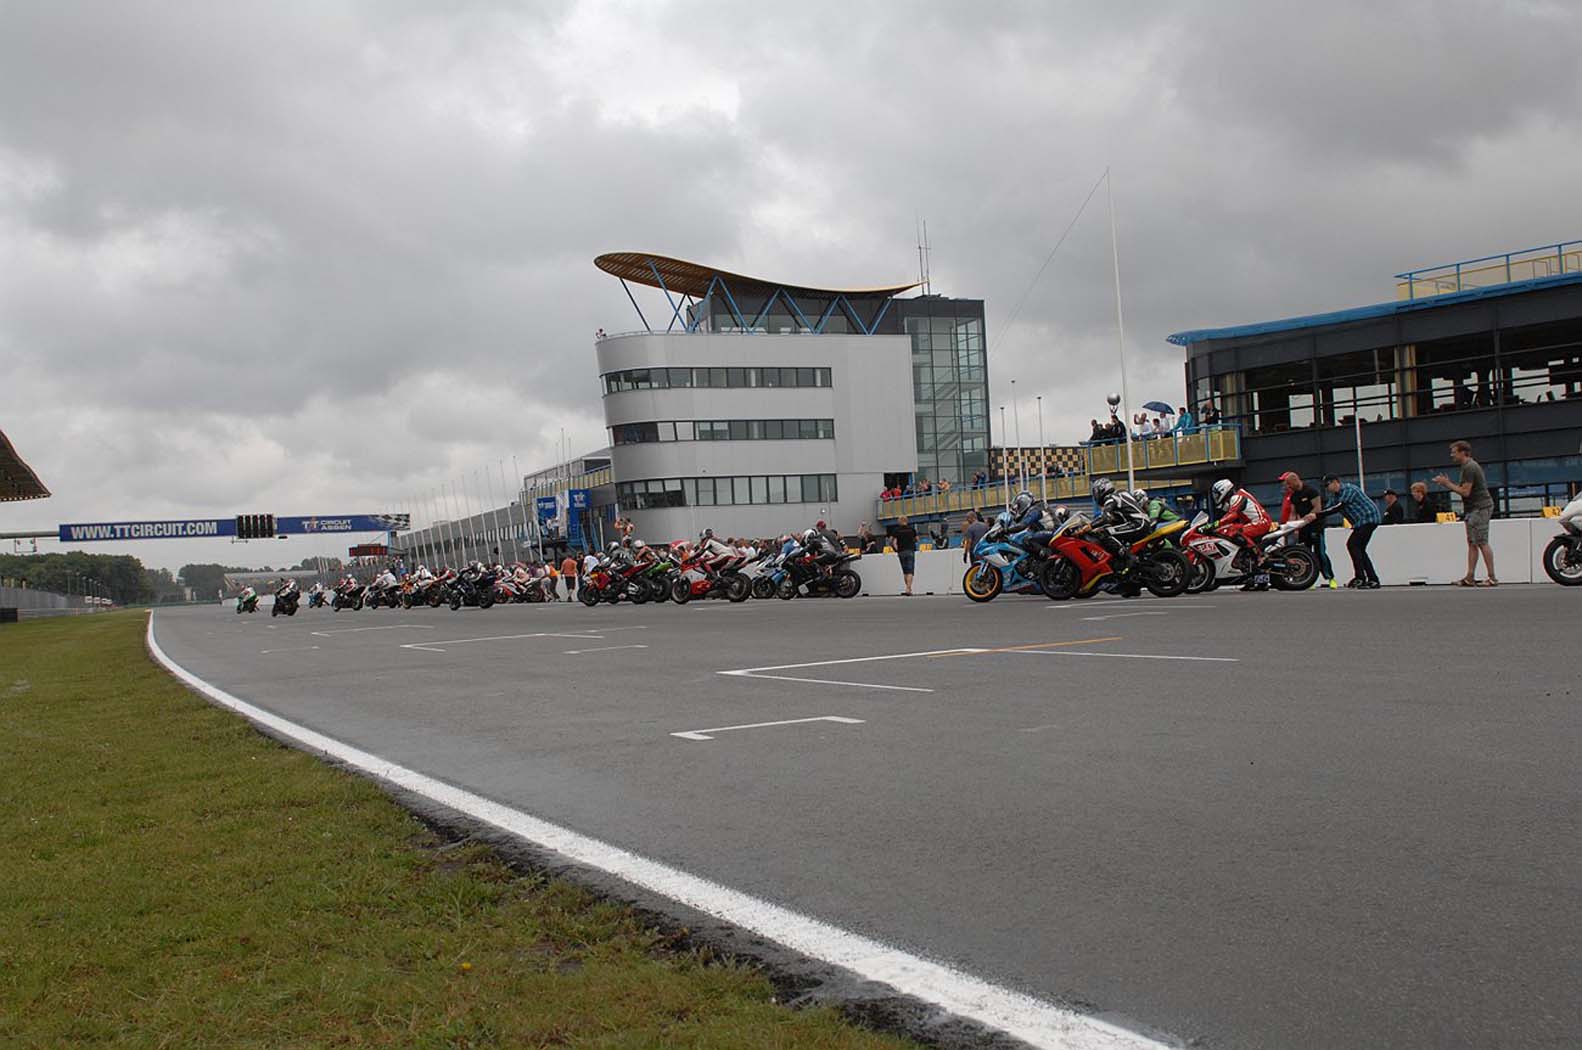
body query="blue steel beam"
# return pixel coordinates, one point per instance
(639, 309)
(675, 311)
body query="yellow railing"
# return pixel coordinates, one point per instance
(1201, 448)
(591, 480)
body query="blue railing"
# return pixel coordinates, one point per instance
(1528, 264)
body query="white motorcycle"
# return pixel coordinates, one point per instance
(1563, 556)
(1215, 560)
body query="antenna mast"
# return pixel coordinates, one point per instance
(923, 251)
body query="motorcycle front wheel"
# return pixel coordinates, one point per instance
(786, 590)
(1061, 579)
(455, 603)
(738, 588)
(1563, 561)
(763, 587)
(847, 584)
(1200, 575)
(588, 595)
(982, 582)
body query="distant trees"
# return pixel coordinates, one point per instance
(120, 576)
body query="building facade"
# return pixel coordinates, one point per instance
(1498, 364)
(761, 407)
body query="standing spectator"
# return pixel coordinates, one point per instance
(1394, 512)
(1185, 424)
(972, 531)
(1477, 507)
(1099, 433)
(1419, 510)
(944, 485)
(830, 534)
(865, 540)
(568, 573)
(1210, 415)
(1302, 501)
(1364, 515)
(904, 538)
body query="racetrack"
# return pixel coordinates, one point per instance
(1324, 819)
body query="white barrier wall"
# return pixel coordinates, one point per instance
(1402, 554)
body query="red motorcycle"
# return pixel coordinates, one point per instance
(1080, 567)
(698, 576)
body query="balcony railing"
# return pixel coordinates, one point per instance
(1529, 264)
(1206, 446)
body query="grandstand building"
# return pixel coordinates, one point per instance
(1488, 350)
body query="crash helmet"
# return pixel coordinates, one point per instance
(1103, 489)
(1022, 503)
(614, 546)
(1222, 490)
(638, 545)
(1140, 495)
(1060, 513)
(810, 535)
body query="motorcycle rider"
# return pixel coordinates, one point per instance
(1120, 523)
(1243, 521)
(247, 595)
(1159, 512)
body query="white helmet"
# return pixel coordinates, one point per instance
(1140, 495)
(1222, 490)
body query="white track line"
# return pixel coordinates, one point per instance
(1122, 616)
(434, 647)
(391, 627)
(754, 672)
(1131, 656)
(703, 734)
(602, 649)
(297, 649)
(1033, 1020)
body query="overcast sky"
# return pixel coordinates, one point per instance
(318, 257)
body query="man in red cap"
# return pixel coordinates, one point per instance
(829, 534)
(1302, 501)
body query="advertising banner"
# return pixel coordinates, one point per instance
(191, 528)
(319, 524)
(578, 498)
(545, 506)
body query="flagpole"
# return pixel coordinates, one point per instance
(1120, 332)
(1043, 450)
(1021, 454)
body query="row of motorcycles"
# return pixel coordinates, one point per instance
(805, 567)
(1068, 560)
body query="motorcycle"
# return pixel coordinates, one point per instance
(1080, 567)
(697, 580)
(804, 575)
(317, 599)
(770, 573)
(285, 603)
(1563, 555)
(348, 597)
(374, 596)
(473, 588)
(1000, 565)
(246, 604)
(1216, 560)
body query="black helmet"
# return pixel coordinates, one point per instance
(1103, 489)
(1022, 503)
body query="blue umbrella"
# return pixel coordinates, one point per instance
(1157, 406)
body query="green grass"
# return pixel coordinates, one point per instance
(170, 878)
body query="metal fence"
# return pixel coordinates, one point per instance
(32, 603)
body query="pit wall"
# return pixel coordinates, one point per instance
(1402, 554)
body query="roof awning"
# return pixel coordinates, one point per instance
(17, 480)
(679, 277)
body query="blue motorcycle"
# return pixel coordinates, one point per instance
(1001, 565)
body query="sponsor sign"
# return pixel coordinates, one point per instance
(578, 498)
(319, 524)
(545, 506)
(190, 528)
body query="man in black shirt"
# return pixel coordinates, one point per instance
(904, 538)
(1394, 513)
(1302, 502)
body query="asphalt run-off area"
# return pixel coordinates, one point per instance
(1329, 819)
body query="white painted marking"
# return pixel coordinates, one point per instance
(753, 672)
(602, 649)
(434, 647)
(703, 734)
(298, 649)
(828, 681)
(1032, 1020)
(1133, 656)
(1122, 616)
(390, 627)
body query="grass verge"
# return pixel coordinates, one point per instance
(174, 879)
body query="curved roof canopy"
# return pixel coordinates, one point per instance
(17, 480)
(689, 278)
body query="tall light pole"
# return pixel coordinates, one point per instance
(1043, 449)
(1021, 458)
(1005, 467)
(1120, 332)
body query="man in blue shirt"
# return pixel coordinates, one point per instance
(1365, 518)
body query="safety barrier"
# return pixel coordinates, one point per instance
(1402, 555)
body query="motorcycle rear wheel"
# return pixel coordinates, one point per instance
(786, 590)
(588, 595)
(982, 582)
(763, 587)
(738, 588)
(455, 602)
(637, 591)
(1295, 570)
(485, 599)
(1166, 573)
(1563, 562)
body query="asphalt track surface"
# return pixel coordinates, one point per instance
(1315, 820)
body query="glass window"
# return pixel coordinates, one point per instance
(806, 377)
(736, 377)
(667, 431)
(809, 488)
(772, 430)
(807, 429)
(743, 495)
(684, 430)
(717, 377)
(826, 377)
(722, 492)
(771, 377)
(700, 377)
(689, 492)
(777, 488)
(826, 489)
(738, 429)
(755, 430)
(826, 428)
(754, 377)
(705, 492)
(760, 489)
(679, 376)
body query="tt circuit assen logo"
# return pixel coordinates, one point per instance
(327, 525)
